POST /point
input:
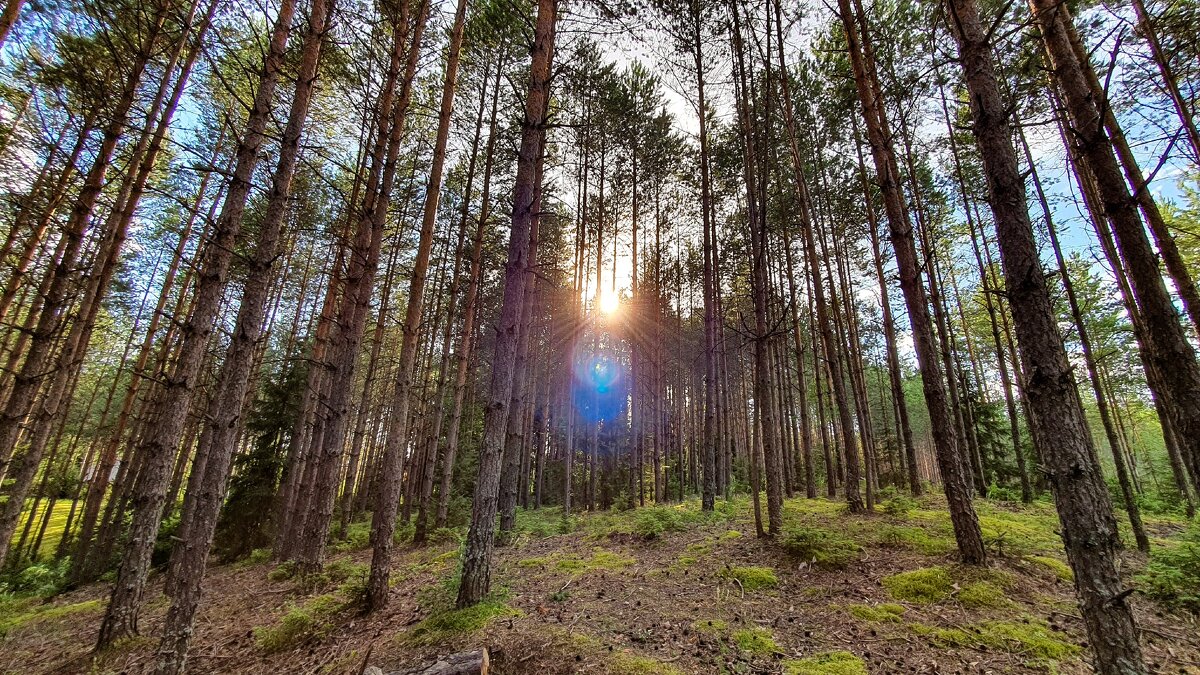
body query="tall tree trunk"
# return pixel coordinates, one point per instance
(383, 519)
(224, 420)
(1080, 493)
(477, 558)
(169, 410)
(1165, 343)
(962, 513)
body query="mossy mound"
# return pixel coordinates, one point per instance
(1029, 638)
(820, 547)
(885, 613)
(1060, 569)
(752, 578)
(829, 663)
(755, 640)
(923, 586)
(982, 594)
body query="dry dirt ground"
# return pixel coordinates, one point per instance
(659, 590)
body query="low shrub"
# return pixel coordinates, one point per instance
(820, 547)
(1173, 575)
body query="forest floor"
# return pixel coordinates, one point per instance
(663, 589)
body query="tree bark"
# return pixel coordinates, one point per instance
(1081, 495)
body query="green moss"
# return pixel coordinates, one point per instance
(457, 622)
(922, 586)
(627, 663)
(918, 539)
(829, 663)
(1058, 567)
(18, 612)
(755, 640)
(820, 547)
(1030, 638)
(730, 534)
(982, 594)
(693, 554)
(886, 612)
(298, 624)
(752, 578)
(710, 626)
(601, 559)
(534, 562)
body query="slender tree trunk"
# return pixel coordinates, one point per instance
(476, 560)
(962, 513)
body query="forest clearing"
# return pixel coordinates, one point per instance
(633, 336)
(658, 590)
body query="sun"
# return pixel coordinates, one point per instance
(610, 302)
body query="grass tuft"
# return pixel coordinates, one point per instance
(312, 619)
(453, 622)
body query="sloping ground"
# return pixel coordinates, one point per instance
(657, 590)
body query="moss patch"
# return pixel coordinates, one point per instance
(1058, 567)
(917, 539)
(601, 559)
(922, 586)
(457, 622)
(884, 613)
(710, 626)
(21, 612)
(755, 640)
(982, 594)
(752, 578)
(829, 663)
(1030, 638)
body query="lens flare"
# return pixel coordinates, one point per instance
(610, 302)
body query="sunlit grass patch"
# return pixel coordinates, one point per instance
(600, 559)
(18, 612)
